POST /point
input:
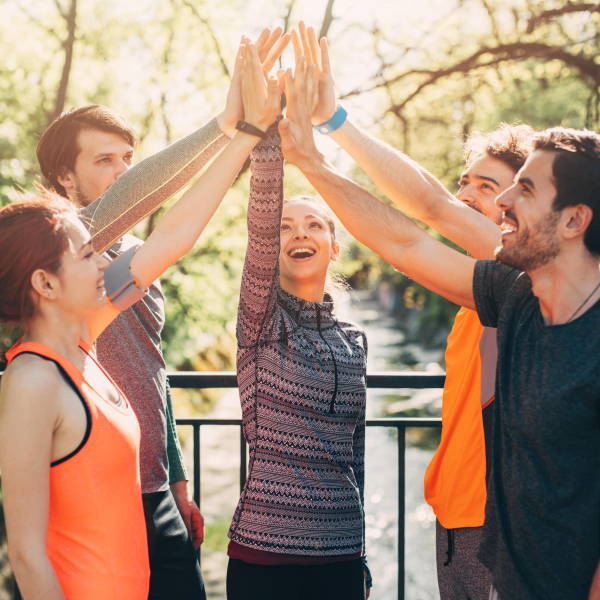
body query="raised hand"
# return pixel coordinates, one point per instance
(262, 99)
(305, 43)
(269, 45)
(297, 142)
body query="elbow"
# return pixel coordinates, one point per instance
(26, 561)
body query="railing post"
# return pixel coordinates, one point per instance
(243, 467)
(401, 508)
(197, 476)
(197, 463)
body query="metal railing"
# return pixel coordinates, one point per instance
(387, 380)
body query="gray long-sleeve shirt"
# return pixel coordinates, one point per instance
(130, 347)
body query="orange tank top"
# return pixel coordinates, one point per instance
(97, 540)
(455, 481)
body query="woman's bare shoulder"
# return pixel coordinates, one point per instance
(29, 377)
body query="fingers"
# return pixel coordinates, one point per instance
(275, 53)
(291, 93)
(305, 42)
(264, 50)
(326, 64)
(273, 94)
(314, 46)
(297, 45)
(309, 84)
(281, 78)
(237, 65)
(300, 78)
(263, 38)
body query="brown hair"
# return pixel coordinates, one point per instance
(511, 144)
(335, 283)
(33, 235)
(576, 171)
(59, 146)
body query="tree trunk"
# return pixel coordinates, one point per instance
(327, 19)
(68, 44)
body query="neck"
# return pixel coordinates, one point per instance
(56, 330)
(311, 291)
(563, 285)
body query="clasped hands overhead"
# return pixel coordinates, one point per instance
(309, 88)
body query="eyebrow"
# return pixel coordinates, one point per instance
(480, 178)
(109, 154)
(526, 181)
(306, 217)
(88, 243)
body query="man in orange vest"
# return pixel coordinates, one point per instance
(455, 481)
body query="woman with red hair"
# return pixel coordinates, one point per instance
(69, 439)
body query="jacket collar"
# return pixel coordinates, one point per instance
(309, 314)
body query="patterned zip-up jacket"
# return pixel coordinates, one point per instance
(301, 376)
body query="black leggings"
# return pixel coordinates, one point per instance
(335, 581)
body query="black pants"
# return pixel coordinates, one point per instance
(335, 581)
(174, 570)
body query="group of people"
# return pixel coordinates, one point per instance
(95, 493)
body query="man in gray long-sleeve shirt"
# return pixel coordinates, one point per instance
(86, 156)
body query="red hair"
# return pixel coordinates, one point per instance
(33, 235)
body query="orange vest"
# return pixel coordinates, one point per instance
(97, 540)
(455, 484)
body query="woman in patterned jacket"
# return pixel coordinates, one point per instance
(298, 530)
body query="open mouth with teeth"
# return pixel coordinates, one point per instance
(301, 253)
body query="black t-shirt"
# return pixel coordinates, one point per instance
(541, 536)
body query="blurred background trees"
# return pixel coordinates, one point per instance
(420, 77)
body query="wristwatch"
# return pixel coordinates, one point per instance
(338, 119)
(247, 128)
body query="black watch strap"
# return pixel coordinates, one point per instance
(247, 128)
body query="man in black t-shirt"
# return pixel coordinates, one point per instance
(541, 537)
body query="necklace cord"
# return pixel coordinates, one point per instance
(584, 303)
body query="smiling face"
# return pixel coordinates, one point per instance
(307, 245)
(482, 182)
(77, 287)
(531, 237)
(102, 159)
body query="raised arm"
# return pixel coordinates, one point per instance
(401, 179)
(149, 184)
(29, 414)
(383, 229)
(180, 228)
(260, 279)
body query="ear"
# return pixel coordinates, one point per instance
(335, 251)
(578, 219)
(44, 284)
(66, 178)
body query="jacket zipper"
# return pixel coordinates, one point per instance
(331, 405)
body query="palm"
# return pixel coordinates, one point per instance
(306, 44)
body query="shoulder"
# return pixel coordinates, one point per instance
(353, 332)
(28, 379)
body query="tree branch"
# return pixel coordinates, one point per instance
(45, 27)
(205, 22)
(286, 19)
(547, 15)
(327, 20)
(518, 51)
(68, 45)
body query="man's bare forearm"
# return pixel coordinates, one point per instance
(393, 236)
(418, 192)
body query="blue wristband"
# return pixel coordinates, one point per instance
(334, 123)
